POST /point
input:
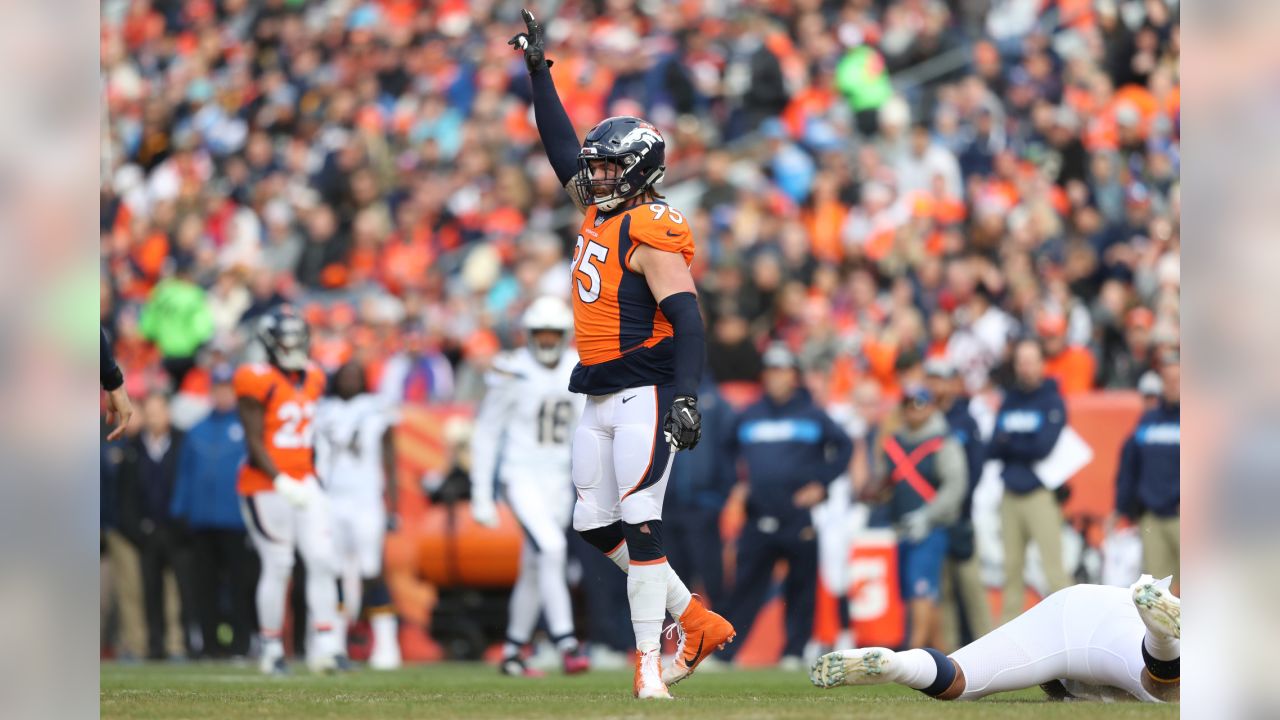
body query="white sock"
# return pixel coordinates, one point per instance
(272, 586)
(913, 668)
(385, 633)
(647, 591)
(678, 596)
(553, 588)
(621, 557)
(525, 603)
(322, 600)
(1162, 647)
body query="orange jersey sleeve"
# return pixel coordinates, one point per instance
(253, 381)
(662, 227)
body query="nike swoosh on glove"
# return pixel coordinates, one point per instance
(683, 424)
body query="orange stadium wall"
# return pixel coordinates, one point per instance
(435, 548)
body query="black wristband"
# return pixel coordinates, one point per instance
(112, 378)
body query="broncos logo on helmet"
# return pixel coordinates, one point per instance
(620, 158)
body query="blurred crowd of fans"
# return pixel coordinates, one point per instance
(869, 181)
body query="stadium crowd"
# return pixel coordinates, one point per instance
(872, 183)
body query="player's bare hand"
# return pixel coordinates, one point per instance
(119, 411)
(809, 495)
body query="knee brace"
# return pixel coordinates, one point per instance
(644, 541)
(605, 539)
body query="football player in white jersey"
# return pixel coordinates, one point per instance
(1092, 642)
(355, 459)
(522, 435)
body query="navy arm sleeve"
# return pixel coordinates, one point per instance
(558, 136)
(110, 375)
(681, 310)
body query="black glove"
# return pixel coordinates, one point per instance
(683, 424)
(532, 43)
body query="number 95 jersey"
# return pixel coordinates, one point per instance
(622, 335)
(526, 420)
(289, 409)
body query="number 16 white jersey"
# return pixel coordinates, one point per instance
(526, 421)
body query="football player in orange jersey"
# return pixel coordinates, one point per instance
(282, 502)
(642, 349)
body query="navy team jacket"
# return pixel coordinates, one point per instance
(1148, 478)
(784, 447)
(1027, 428)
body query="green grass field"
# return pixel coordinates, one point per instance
(477, 691)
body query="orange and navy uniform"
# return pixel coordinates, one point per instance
(289, 407)
(623, 338)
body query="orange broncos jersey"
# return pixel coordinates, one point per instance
(287, 421)
(614, 313)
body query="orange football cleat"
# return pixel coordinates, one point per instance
(702, 632)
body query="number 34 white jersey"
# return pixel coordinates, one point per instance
(348, 441)
(526, 421)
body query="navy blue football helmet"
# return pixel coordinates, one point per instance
(635, 159)
(286, 338)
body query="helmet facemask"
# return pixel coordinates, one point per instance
(607, 180)
(548, 354)
(288, 343)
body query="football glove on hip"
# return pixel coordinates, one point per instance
(683, 424)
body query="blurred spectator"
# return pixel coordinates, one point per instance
(791, 451)
(697, 491)
(417, 374)
(177, 319)
(122, 574)
(1148, 479)
(925, 476)
(967, 614)
(206, 503)
(1030, 420)
(148, 474)
(1071, 366)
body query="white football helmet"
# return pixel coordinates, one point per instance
(548, 313)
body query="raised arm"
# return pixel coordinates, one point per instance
(558, 137)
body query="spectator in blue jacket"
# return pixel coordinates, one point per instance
(1148, 489)
(696, 493)
(205, 500)
(1027, 427)
(791, 451)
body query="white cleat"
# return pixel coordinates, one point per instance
(385, 659)
(323, 664)
(272, 661)
(1160, 610)
(862, 666)
(648, 679)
